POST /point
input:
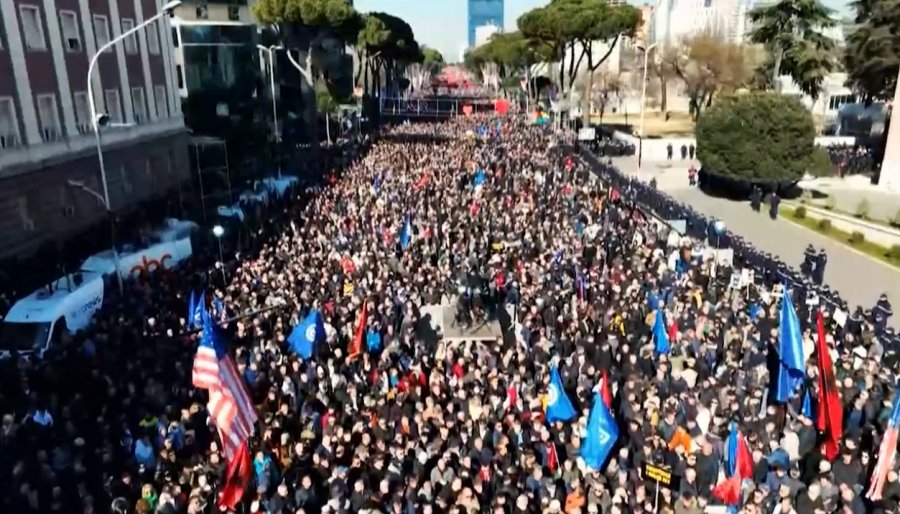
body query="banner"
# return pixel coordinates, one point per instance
(662, 476)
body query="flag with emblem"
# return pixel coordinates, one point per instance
(306, 334)
(600, 436)
(559, 407)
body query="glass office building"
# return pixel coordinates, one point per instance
(483, 12)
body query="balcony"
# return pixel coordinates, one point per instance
(17, 158)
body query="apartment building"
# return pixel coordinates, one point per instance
(214, 46)
(46, 138)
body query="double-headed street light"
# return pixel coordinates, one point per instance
(219, 231)
(102, 120)
(643, 102)
(269, 50)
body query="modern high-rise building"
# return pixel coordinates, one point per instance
(483, 12)
(49, 172)
(677, 20)
(483, 33)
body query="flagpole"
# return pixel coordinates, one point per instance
(238, 318)
(656, 499)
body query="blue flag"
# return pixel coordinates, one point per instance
(406, 234)
(192, 304)
(306, 334)
(196, 310)
(807, 409)
(218, 306)
(755, 311)
(791, 368)
(373, 341)
(376, 184)
(479, 177)
(660, 334)
(652, 300)
(559, 408)
(600, 436)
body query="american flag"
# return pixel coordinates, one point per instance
(229, 404)
(887, 453)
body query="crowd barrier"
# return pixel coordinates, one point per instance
(768, 269)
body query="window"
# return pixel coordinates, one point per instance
(837, 101)
(131, 47)
(234, 13)
(162, 105)
(125, 173)
(9, 124)
(49, 117)
(202, 12)
(180, 78)
(32, 27)
(24, 214)
(101, 30)
(67, 200)
(139, 103)
(68, 22)
(148, 172)
(82, 112)
(153, 40)
(113, 107)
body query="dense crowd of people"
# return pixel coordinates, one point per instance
(109, 422)
(852, 159)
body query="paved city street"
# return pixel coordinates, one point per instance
(859, 278)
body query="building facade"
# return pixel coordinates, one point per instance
(214, 45)
(483, 12)
(46, 138)
(484, 32)
(677, 20)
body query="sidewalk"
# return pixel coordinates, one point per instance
(858, 278)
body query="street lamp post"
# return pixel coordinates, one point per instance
(101, 120)
(219, 231)
(719, 227)
(643, 102)
(275, 135)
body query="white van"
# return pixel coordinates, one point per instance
(39, 319)
(35, 322)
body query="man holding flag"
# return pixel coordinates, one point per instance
(830, 410)
(791, 364)
(600, 435)
(230, 408)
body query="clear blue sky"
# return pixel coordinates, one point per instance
(441, 24)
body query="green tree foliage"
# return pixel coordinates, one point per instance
(386, 45)
(334, 17)
(756, 137)
(432, 59)
(792, 32)
(872, 54)
(570, 29)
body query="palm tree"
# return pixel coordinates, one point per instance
(792, 31)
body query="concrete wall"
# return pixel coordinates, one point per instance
(890, 167)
